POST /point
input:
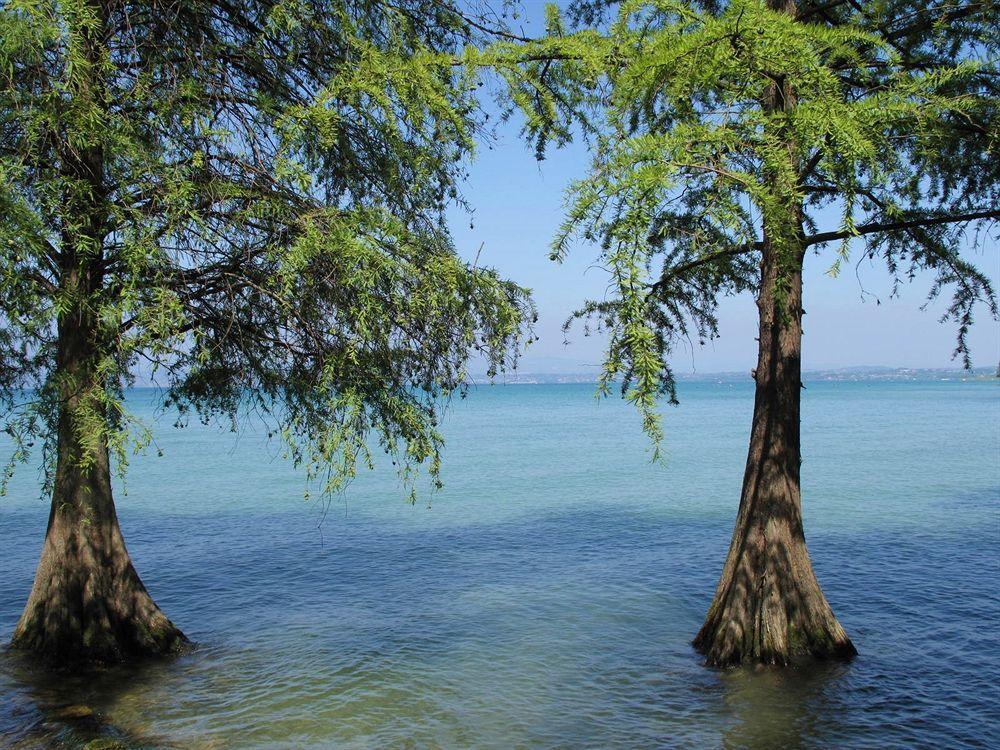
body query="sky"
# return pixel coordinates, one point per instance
(851, 321)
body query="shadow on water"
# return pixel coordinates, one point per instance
(45, 708)
(565, 627)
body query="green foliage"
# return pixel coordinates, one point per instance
(246, 199)
(720, 129)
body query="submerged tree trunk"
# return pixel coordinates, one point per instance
(768, 607)
(87, 603)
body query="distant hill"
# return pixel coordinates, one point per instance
(838, 374)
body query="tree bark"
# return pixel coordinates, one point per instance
(87, 604)
(769, 607)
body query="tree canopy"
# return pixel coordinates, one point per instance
(247, 199)
(864, 130)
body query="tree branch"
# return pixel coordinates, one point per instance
(683, 268)
(895, 226)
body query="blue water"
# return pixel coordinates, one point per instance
(547, 596)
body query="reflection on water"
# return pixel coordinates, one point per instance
(768, 708)
(45, 708)
(783, 708)
(549, 607)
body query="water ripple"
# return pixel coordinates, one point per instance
(533, 613)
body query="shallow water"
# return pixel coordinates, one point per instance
(546, 598)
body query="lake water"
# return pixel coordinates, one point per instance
(547, 596)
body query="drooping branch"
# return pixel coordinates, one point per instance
(682, 269)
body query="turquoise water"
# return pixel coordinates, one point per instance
(547, 596)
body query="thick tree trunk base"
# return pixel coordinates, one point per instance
(732, 640)
(84, 611)
(771, 610)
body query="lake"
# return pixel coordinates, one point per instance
(546, 598)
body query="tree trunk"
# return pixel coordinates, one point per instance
(87, 603)
(768, 607)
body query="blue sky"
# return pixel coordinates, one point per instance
(518, 205)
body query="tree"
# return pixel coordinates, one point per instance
(731, 140)
(245, 200)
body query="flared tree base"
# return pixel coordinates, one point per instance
(724, 646)
(777, 616)
(78, 615)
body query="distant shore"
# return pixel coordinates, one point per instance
(838, 374)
